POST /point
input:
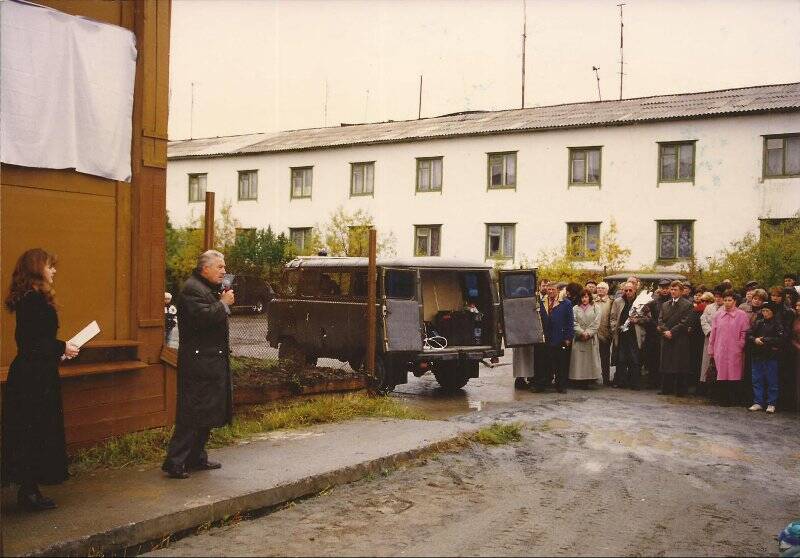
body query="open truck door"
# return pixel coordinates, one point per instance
(521, 322)
(402, 322)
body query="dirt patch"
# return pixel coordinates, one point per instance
(257, 380)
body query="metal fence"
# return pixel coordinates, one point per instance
(248, 334)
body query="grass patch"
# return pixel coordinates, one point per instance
(149, 446)
(498, 434)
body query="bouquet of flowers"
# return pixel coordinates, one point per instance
(636, 308)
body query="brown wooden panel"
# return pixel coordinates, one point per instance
(147, 386)
(129, 408)
(90, 434)
(107, 11)
(123, 263)
(121, 381)
(81, 230)
(63, 180)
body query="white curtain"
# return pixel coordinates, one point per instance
(66, 91)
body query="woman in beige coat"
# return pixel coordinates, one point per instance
(584, 364)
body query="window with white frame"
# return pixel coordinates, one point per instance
(429, 174)
(502, 170)
(362, 179)
(197, 187)
(302, 178)
(427, 240)
(675, 240)
(500, 240)
(248, 185)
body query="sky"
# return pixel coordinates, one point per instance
(269, 65)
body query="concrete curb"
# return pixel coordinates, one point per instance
(159, 528)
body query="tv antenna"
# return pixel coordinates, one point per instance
(597, 75)
(621, 54)
(524, 40)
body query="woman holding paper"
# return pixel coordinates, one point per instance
(34, 450)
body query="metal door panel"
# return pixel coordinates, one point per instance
(522, 324)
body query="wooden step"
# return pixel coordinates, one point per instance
(88, 369)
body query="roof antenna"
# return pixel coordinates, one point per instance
(621, 55)
(419, 111)
(597, 75)
(524, 40)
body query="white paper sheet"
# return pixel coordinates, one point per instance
(66, 94)
(85, 335)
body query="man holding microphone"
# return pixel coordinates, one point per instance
(204, 377)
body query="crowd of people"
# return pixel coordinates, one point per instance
(734, 346)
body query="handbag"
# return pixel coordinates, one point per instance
(711, 373)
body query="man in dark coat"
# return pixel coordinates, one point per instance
(673, 323)
(204, 376)
(651, 348)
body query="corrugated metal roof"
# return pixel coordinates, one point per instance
(765, 98)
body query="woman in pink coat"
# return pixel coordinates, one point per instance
(726, 347)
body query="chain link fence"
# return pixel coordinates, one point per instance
(248, 334)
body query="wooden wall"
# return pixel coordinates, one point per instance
(109, 237)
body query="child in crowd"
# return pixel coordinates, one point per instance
(765, 339)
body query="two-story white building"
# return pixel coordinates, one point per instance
(681, 175)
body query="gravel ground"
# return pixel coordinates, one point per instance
(601, 472)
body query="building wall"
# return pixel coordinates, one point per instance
(726, 200)
(109, 238)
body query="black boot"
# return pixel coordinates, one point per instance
(29, 498)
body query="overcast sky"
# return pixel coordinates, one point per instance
(263, 65)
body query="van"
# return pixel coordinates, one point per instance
(434, 314)
(252, 293)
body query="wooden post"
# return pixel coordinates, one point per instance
(372, 282)
(208, 240)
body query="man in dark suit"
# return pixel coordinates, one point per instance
(676, 353)
(204, 375)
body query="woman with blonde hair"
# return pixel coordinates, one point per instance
(34, 450)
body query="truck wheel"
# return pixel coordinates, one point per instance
(383, 381)
(259, 307)
(290, 352)
(450, 375)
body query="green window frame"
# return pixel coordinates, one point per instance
(676, 161)
(362, 179)
(301, 182)
(427, 240)
(429, 174)
(198, 183)
(788, 226)
(583, 240)
(585, 166)
(674, 241)
(781, 156)
(500, 240)
(299, 237)
(501, 170)
(248, 185)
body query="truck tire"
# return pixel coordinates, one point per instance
(259, 307)
(292, 354)
(383, 381)
(452, 376)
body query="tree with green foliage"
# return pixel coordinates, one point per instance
(764, 257)
(347, 234)
(259, 252)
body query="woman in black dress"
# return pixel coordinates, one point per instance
(33, 444)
